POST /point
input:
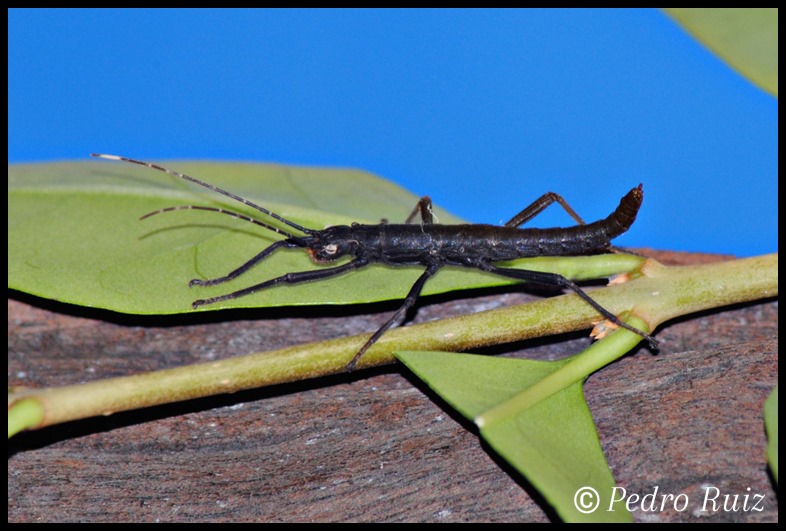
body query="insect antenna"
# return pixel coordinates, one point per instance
(220, 211)
(194, 180)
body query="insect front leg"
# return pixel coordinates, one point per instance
(289, 278)
(553, 279)
(538, 206)
(243, 268)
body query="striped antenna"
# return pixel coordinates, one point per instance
(194, 180)
(220, 211)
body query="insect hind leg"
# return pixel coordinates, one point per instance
(553, 279)
(538, 206)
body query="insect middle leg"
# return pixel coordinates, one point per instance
(426, 210)
(412, 296)
(553, 279)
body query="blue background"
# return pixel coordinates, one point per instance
(482, 110)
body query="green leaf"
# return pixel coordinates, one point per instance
(74, 235)
(746, 38)
(554, 443)
(771, 423)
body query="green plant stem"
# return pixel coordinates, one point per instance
(28, 413)
(660, 294)
(598, 355)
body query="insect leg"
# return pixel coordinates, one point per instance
(289, 278)
(417, 287)
(243, 268)
(553, 279)
(426, 211)
(538, 206)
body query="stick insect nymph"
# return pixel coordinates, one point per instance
(428, 244)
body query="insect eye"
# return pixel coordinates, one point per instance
(331, 249)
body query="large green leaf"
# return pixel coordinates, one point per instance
(74, 235)
(746, 38)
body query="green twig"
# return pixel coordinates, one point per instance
(661, 293)
(598, 355)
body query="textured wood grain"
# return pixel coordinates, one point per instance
(376, 445)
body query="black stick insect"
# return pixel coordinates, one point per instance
(428, 244)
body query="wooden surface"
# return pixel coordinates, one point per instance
(376, 445)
